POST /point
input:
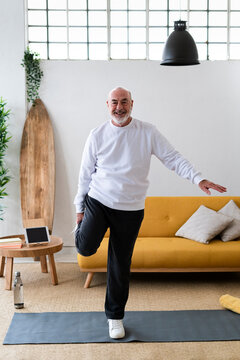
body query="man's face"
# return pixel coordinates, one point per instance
(120, 106)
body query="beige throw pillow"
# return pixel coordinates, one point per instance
(232, 231)
(203, 225)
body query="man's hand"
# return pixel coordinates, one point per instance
(205, 185)
(79, 217)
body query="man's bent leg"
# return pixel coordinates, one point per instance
(91, 229)
(124, 230)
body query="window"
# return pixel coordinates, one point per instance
(130, 29)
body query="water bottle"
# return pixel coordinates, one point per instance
(18, 291)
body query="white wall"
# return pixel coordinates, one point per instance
(196, 108)
(12, 89)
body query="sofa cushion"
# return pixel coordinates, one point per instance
(170, 252)
(232, 231)
(203, 225)
(150, 253)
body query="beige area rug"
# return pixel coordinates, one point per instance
(147, 292)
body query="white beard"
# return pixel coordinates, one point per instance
(122, 120)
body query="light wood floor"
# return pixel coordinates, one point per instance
(147, 292)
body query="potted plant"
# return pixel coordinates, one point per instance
(34, 74)
(4, 139)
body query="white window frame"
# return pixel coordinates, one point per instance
(169, 28)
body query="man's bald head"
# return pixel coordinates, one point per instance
(121, 90)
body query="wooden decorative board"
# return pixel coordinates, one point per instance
(37, 167)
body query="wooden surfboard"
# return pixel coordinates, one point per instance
(37, 167)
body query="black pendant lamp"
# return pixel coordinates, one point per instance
(180, 48)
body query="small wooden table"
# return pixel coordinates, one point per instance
(41, 251)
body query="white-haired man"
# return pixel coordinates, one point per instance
(112, 189)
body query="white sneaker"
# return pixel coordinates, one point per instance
(116, 329)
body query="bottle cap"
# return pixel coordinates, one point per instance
(17, 273)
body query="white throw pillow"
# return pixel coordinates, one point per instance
(232, 231)
(204, 225)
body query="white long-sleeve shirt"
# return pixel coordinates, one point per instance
(116, 161)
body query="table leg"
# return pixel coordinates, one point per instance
(2, 265)
(8, 275)
(53, 269)
(44, 266)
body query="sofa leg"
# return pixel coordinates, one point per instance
(88, 280)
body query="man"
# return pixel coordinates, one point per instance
(111, 193)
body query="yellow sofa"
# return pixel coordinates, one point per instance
(158, 250)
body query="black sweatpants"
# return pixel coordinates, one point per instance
(124, 227)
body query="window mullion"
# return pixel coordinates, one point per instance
(47, 30)
(67, 31)
(168, 18)
(87, 31)
(228, 29)
(108, 31)
(147, 29)
(207, 29)
(26, 24)
(128, 29)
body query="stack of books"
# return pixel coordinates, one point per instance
(11, 243)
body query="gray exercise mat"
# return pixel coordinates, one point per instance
(146, 326)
